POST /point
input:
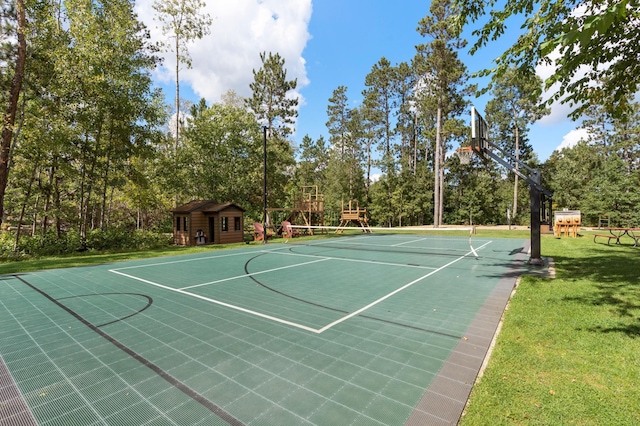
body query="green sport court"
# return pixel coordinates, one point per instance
(369, 329)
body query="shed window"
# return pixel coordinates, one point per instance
(225, 223)
(185, 224)
(236, 223)
(178, 223)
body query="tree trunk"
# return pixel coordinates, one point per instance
(368, 183)
(177, 92)
(415, 146)
(175, 149)
(436, 169)
(47, 198)
(109, 208)
(515, 186)
(57, 205)
(84, 225)
(83, 178)
(27, 195)
(12, 105)
(36, 203)
(103, 209)
(84, 218)
(441, 211)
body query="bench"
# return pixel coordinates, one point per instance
(609, 237)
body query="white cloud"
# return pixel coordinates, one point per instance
(559, 111)
(240, 31)
(572, 138)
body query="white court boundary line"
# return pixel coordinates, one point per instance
(346, 317)
(171, 262)
(341, 259)
(253, 274)
(271, 251)
(218, 302)
(369, 236)
(276, 319)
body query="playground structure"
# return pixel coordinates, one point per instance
(353, 215)
(307, 210)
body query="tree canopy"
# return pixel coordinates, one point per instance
(92, 157)
(592, 46)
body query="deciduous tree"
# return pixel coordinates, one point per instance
(586, 41)
(183, 22)
(9, 115)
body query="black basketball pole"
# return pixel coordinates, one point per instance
(264, 184)
(481, 143)
(536, 196)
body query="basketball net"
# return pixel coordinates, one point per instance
(464, 154)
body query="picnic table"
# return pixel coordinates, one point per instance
(617, 233)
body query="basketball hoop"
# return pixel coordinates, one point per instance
(464, 154)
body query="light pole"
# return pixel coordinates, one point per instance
(264, 183)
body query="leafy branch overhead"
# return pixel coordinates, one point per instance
(592, 46)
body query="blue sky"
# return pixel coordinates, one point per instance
(326, 43)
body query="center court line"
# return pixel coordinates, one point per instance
(218, 302)
(216, 256)
(255, 273)
(171, 262)
(372, 262)
(409, 242)
(347, 245)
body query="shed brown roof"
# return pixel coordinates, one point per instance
(206, 206)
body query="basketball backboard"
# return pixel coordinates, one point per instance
(479, 131)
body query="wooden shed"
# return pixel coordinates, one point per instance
(206, 222)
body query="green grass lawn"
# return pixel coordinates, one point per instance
(569, 349)
(94, 258)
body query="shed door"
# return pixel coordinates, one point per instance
(212, 228)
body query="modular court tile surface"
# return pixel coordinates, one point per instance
(367, 330)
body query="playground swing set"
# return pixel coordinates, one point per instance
(307, 211)
(308, 214)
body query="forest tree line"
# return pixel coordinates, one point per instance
(93, 152)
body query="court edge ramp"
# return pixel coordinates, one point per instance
(13, 408)
(444, 401)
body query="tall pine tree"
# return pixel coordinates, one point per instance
(275, 106)
(443, 78)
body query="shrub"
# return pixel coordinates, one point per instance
(112, 239)
(6, 244)
(50, 243)
(124, 239)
